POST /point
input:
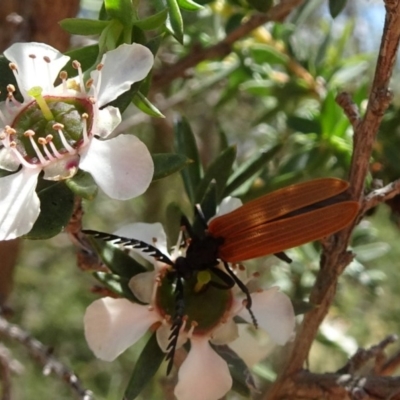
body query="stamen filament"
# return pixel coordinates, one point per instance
(49, 139)
(36, 93)
(29, 133)
(63, 76)
(58, 127)
(85, 117)
(19, 156)
(43, 142)
(77, 65)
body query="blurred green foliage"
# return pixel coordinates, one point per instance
(261, 118)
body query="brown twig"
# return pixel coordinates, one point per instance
(335, 256)
(362, 356)
(380, 195)
(43, 355)
(390, 365)
(350, 108)
(166, 75)
(305, 385)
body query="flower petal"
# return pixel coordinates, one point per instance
(225, 333)
(274, 313)
(20, 204)
(252, 345)
(149, 233)
(229, 204)
(7, 160)
(107, 120)
(113, 325)
(142, 286)
(121, 166)
(35, 72)
(61, 169)
(122, 66)
(204, 375)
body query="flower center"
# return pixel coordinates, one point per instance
(49, 128)
(206, 308)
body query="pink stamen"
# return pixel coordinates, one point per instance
(43, 142)
(18, 155)
(29, 133)
(64, 76)
(10, 95)
(54, 150)
(47, 61)
(58, 127)
(77, 65)
(85, 117)
(193, 325)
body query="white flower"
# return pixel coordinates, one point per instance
(112, 325)
(60, 129)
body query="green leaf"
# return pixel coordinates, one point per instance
(166, 164)
(146, 366)
(121, 10)
(119, 262)
(123, 101)
(83, 185)
(264, 53)
(241, 375)
(56, 207)
(209, 203)
(4, 172)
(152, 22)
(208, 207)
(219, 170)
(261, 5)
(144, 104)
(251, 167)
(6, 77)
(87, 57)
(116, 284)
(234, 21)
(189, 5)
(304, 125)
(175, 21)
(83, 26)
(185, 143)
(336, 6)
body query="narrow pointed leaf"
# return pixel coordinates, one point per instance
(152, 22)
(248, 169)
(116, 284)
(122, 10)
(175, 21)
(219, 170)
(241, 375)
(166, 164)
(144, 104)
(146, 366)
(189, 5)
(83, 26)
(117, 260)
(56, 207)
(83, 185)
(185, 143)
(336, 6)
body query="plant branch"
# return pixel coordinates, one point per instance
(43, 355)
(381, 195)
(335, 256)
(165, 75)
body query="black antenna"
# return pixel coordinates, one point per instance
(136, 244)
